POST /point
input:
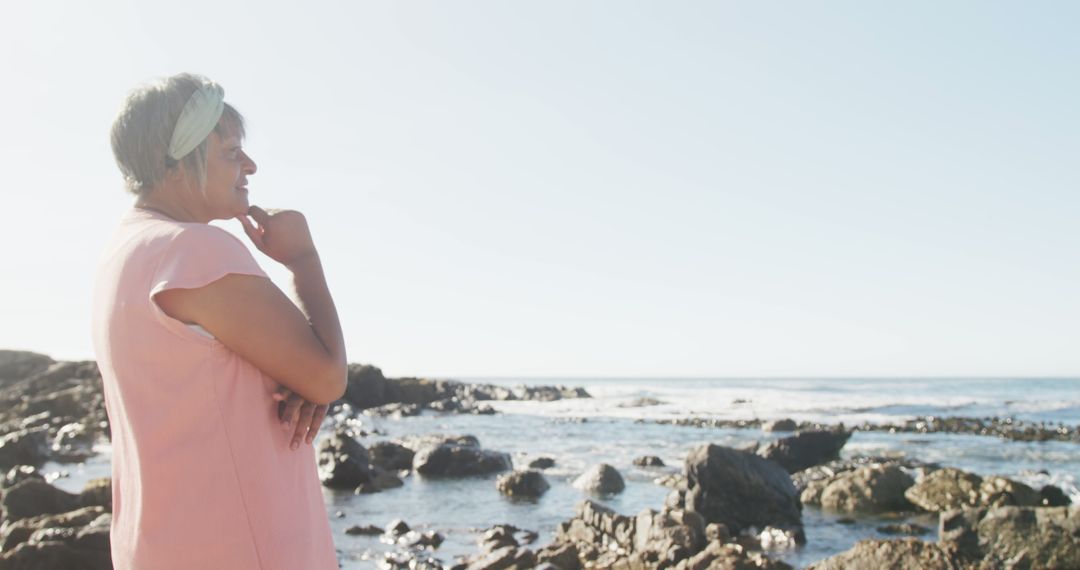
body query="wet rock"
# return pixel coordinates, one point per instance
(542, 463)
(945, 489)
(671, 535)
(897, 554)
(343, 462)
(20, 531)
(34, 497)
(418, 540)
(19, 364)
(18, 474)
(97, 492)
(1053, 496)
(866, 489)
(806, 449)
(740, 489)
(561, 556)
(649, 461)
(1014, 537)
(1001, 492)
(508, 558)
(390, 455)
(397, 527)
(601, 479)
(381, 480)
(831, 469)
(24, 447)
(720, 556)
(911, 529)
(396, 410)
(54, 555)
(457, 457)
(368, 530)
(780, 425)
(528, 483)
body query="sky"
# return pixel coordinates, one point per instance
(606, 188)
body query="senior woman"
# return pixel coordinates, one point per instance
(212, 376)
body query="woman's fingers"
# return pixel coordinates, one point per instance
(287, 411)
(252, 232)
(307, 411)
(260, 215)
(316, 422)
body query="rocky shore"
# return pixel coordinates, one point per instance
(726, 508)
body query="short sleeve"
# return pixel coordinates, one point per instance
(195, 257)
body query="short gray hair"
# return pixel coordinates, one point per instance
(144, 127)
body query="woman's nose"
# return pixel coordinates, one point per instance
(249, 165)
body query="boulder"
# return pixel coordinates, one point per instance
(456, 458)
(1002, 492)
(740, 489)
(945, 489)
(19, 364)
(897, 554)
(1053, 496)
(649, 461)
(527, 483)
(721, 556)
(866, 489)
(601, 479)
(24, 447)
(542, 463)
(780, 425)
(343, 462)
(806, 449)
(1014, 537)
(34, 497)
(18, 532)
(390, 455)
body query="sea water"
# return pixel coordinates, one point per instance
(613, 427)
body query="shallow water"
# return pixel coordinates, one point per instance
(461, 508)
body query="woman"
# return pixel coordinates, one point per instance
(211, 374)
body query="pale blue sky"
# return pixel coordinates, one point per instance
(598, 188)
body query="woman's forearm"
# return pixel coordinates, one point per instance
(318, 306)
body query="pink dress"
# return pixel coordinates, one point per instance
(202, 473)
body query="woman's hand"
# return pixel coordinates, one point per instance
(283, 235)
(296, 411)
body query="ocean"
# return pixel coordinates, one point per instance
(625, 419)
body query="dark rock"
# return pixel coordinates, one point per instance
(528, 483)
(34, 497)
(780, 425)
(24, 447)
(459, 457)
(18, 532)
(649, 461)
(806, 449)
(656, 534)
(945, 489)
(911, 529)
(343, 462)
(600, 479)
(508, 558)
(740, 490)
(53, 555)
(97, 492)
(381, 480)
(366, 386)
(562, 556)
(1053, 496)
(397, 527)
(866, 489)
(542, 463)
(1014, 537)
(896, 554)
(719, 556)
(369, 530)
(20, 473)
(396, 410)
(19, 364)
(390, 455)
(1002, 492)
(831, 469)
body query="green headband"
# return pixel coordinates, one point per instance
(200, 115)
